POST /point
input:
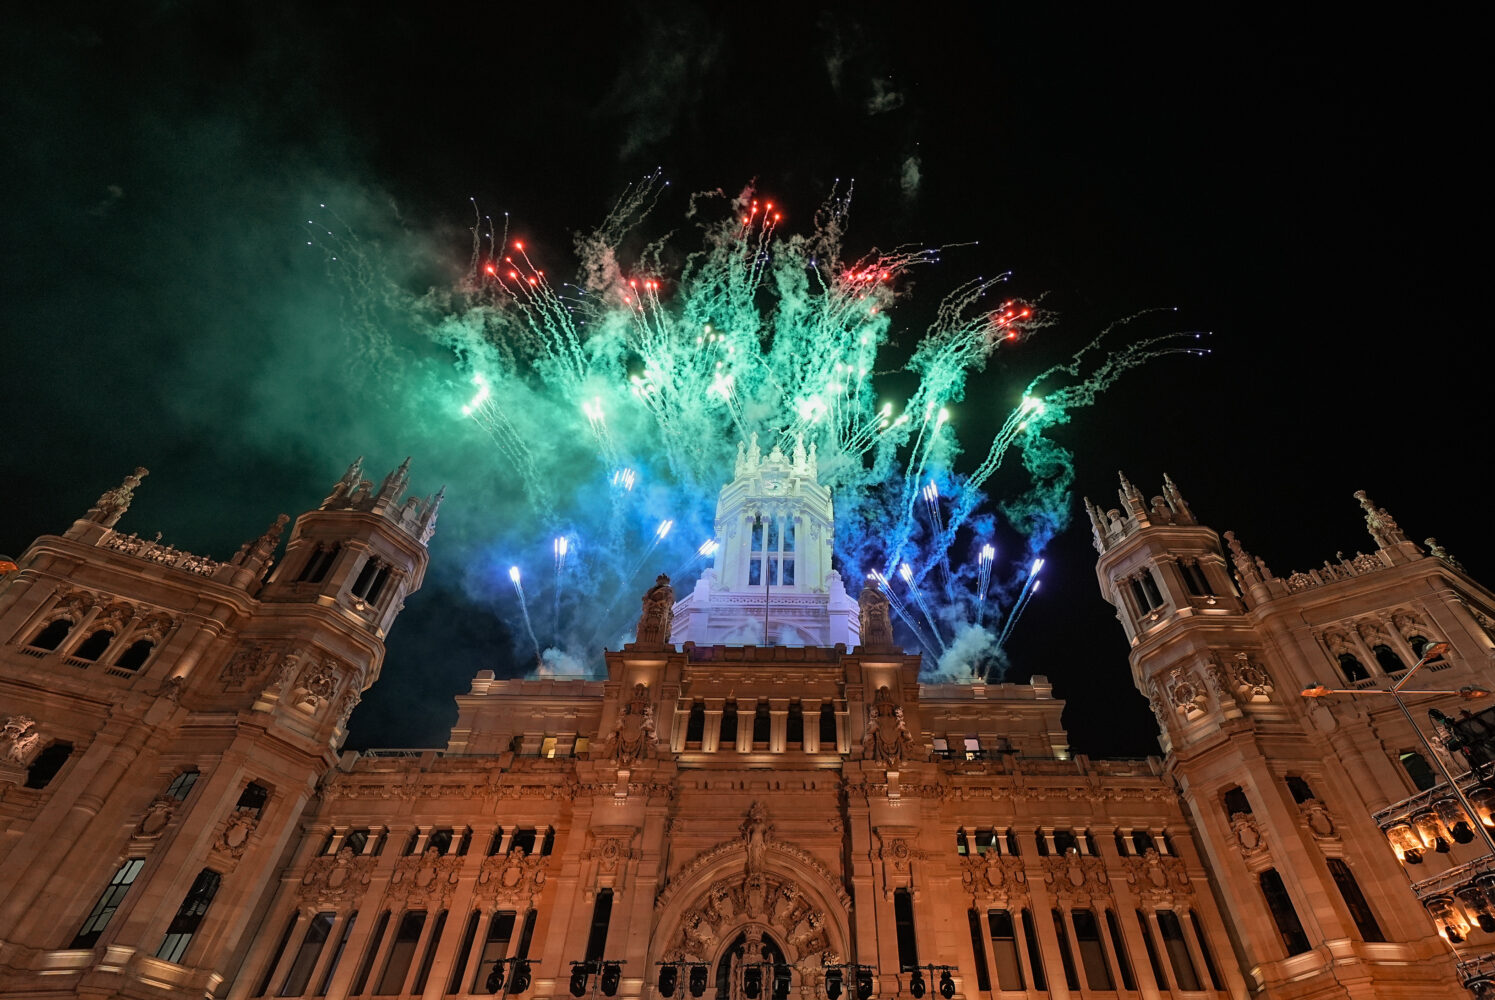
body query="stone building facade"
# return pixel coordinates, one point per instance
(709, 818)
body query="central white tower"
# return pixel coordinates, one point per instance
(771, 582)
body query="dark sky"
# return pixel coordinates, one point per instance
(1312, 194)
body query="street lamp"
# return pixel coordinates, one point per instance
(1431, 651)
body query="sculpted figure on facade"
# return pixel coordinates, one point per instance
(755, 832)
(887, 739)
(20, 741)
(263, 547)
(1381, 525)
(112, 505)
(654, 621)
(633, 738)
(877, 624)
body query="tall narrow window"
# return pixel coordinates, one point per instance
(1118, 945)
(962, 844)
(433, 941)
(307, 954)
(377, 587)
(827, 726)
(1066, 955)
(367, 966)
(1064, 842)
(695, 724)
(103, 911)
(1035, 954)
(1352, 668)
(1204, 949)
(459, 960)
(547, 843)
(47, 763)
(1004, 949)
(1092, 952)
(527, 933)
(495, 946)
(1152, 952)
(903, 920)
(978, 949)
(602, 915)
(189, 915)
(762, 722)
(322, 563)
(280, 948)
(365, 576)
(1283, 912)
(986, 840)
(728, 738)
(1178, 950)
(794, 726)
(181, 785)
(1150, 586)
(401, 952)
(337, 954)
(52, 635)
(1416, 766)
(1355, 901)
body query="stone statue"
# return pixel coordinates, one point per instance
(634, 737)
(659, 606)
(1382, 526)
(1246, 568)
(112, 505)
(877, 624)
(1439, 552)
(886, 739)
(345, 486)
(261, 549)
(755, 830)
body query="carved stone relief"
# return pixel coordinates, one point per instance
(512, 879)
(331, 879)
(994, 880)
(428, 878)
(1076, 879)
(1160, 882)
(887, 739)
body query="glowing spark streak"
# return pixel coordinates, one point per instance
(901, 610)
(936, 521)
(561, 546)
(988, 554)
(907, 573)
(1030, 582)
(1018, 613)
(524, 609)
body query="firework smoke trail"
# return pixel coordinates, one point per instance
(1017, 613)
(524, 609)
(906, 571)
(639, 373)
(936, 522)
(561, 546)
(1029, 585)
(988, 555)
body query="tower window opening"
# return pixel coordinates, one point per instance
(1355, 901)
(1284, 914)
(827, 725)
(1352, 668)
(189, 916)
(794, 725)
(695, 724)
(1194, 578)
(1298, 788)
(134, 657)
(321, 562)
(729, 725)
(1004, 949)
(377, 587)
(1092, 951)
(51, 636)
(103, 911)
(47, 763)
(1387, 659)
(365, 577)
(93, 647)
(1139, 596)
(1417, 768)
(762, 723)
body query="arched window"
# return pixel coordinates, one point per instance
(1387, 658)
(134, 658)
(93, 647)
(1419, 644)
(52, 635)
(47, 763)
(1236, 801)
(1416, 766)
(1352, 668)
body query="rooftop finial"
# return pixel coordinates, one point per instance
(345, 486)
(108, 509)
(1382, 526)
(1097, 525)
(1176, 500)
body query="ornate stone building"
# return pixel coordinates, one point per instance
(716, 817)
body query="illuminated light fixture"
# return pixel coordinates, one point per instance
(947, 985)
(864, 982)
(833, 984)
(578, 985)
(520, 982)
(612, 978)
(916, 987)
(669, 975)
(697, 981)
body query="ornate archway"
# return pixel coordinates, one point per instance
(754, 888)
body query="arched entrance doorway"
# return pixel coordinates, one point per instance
(752, 951)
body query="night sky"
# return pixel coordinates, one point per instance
(1312, 194)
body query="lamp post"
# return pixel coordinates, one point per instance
(1431, 651)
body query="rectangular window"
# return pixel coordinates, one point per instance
(337, 956)
(1355, 901)
(401, 953)
(827, 725)
(602, 914)
(189, 915)
(356, 841)
(524, 840)
(181, 785)
(986, 840)
(788, 536)
(729, 725)
(307, 954)
(757, 536)
(1204, 949)
(788, 572)
(1004, 949)
(978, 949)
(495, 946)
(762, 723)
(1092, 952)
(695, 723)
(547, 844)
(1066, 954)
(1178, 950)
(1118, 945)
(1035, 954)
(1152, 952)
(773, 534)
(903, 919)
(419, 986)
(794, 725)
(103, 911)
(1283, 912)
(280, 948)
(459, 960)
(755, 573)
(375, 940)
